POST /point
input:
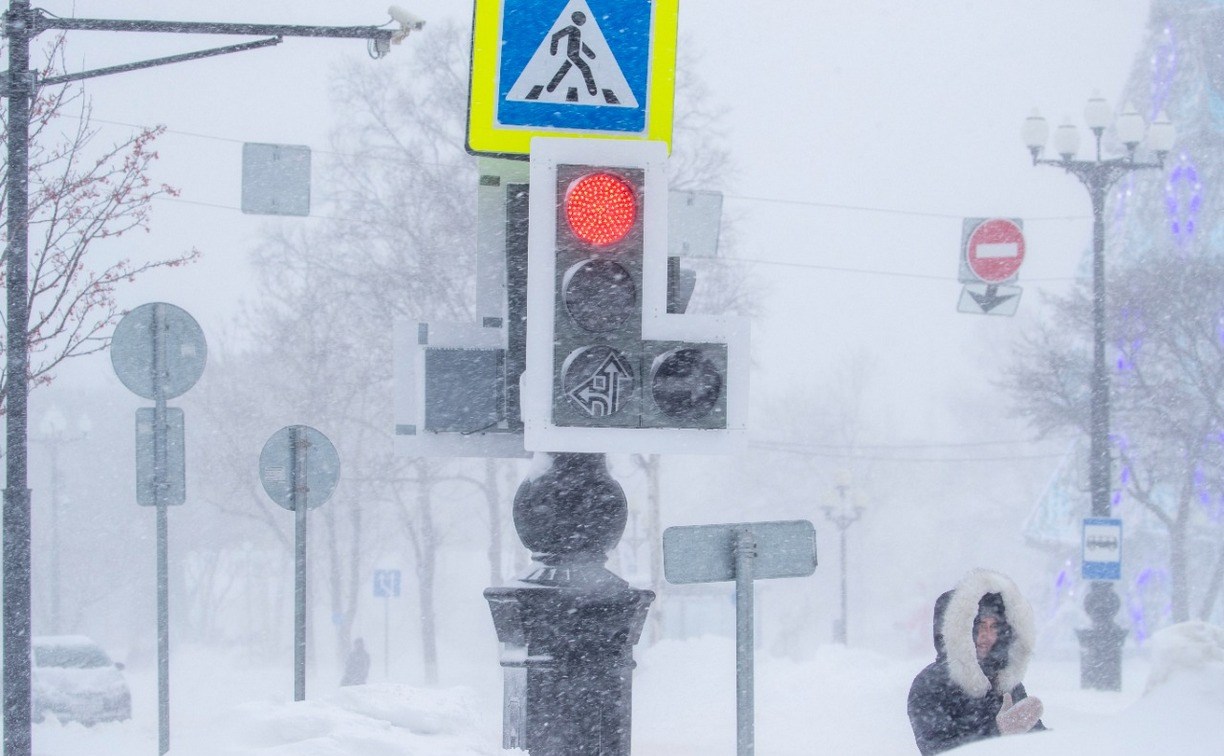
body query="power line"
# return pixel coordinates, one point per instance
(848, 452)
(866, 271)
(946, 445)
(739, 197)
(231, 140)
(877, 458)
(885, 210)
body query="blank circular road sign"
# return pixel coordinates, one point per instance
(279, 460)
(158, 349)
(995, 250)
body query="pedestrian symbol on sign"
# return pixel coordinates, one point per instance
(574, 50)
(573, 64)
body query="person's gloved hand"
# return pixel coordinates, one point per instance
(1020, 717)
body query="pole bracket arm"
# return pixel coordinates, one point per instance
(64, 79)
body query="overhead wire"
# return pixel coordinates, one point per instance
(878, 452)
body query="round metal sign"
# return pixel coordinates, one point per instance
(995, 250)
(158, 351)
(299, 452)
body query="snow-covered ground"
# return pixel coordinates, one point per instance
(840, 701)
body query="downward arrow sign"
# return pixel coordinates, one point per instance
(991, 299)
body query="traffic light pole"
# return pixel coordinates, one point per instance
(568, 627)
(18, 84)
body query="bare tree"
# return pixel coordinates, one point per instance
(81, 192)
(397, 242)
(1165, 318)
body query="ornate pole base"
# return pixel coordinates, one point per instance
(569, 627)
(1101, 644)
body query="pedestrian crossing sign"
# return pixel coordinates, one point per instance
(570, 68)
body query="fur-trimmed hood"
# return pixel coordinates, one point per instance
(955, 612)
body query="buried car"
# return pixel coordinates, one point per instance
(75, 681)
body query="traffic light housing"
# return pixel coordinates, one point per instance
(609, 368)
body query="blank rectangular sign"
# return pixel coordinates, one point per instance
(706, 553)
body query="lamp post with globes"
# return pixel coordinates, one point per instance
(1101, 644)
(843, 515)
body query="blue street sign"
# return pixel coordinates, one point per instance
(570, 68)
(609, 59)
(386, 583)
(1102, 556)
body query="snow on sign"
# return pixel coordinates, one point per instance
(570, 68)
(994, 249)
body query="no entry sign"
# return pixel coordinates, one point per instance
(994, 249)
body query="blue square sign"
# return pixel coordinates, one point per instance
(574, 65)
(386, 583)
(570, 68)
(1102, 555)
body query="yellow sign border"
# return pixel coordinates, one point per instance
(485, 137)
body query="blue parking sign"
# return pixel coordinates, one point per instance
(386, 583)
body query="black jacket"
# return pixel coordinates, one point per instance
(952, 701)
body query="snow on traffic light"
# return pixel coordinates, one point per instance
(609, 369)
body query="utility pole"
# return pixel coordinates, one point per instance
(20, 85)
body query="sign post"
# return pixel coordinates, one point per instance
(742, 552)
(158, 352)
(386, 587)
(299, 468)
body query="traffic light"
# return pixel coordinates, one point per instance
(608, 367)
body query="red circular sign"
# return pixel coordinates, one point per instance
(995, 250)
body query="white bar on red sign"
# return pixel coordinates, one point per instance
(996, 250)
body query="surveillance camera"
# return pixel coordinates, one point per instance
(406, 19)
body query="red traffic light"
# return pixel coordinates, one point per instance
(600, 208)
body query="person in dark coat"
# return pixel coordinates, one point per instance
(357, 665)
(984, 637)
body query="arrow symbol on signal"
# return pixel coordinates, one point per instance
(601, 394)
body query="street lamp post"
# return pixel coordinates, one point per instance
(843, 517)
(1101, 644)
